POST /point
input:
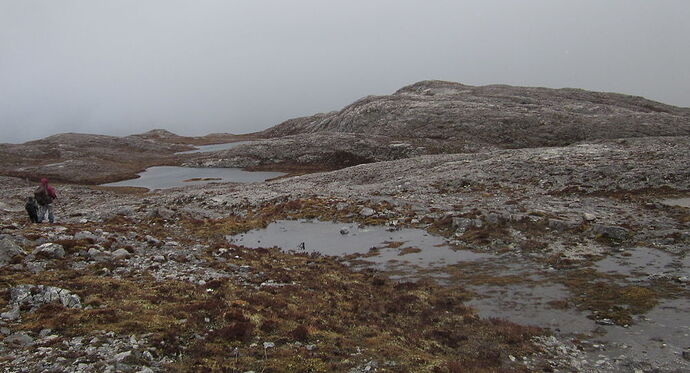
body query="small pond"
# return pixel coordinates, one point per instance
(214, 147)
(383, 248)
(165, 177)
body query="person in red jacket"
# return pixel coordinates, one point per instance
(45, 194)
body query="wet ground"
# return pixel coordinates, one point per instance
(384, 248)
(165, 177)
(658, 336)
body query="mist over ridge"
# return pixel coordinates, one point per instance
(198, 68)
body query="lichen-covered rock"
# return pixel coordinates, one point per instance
(9, 250)
(612, 232)
(50, 250)
(121, 254)
(85, 235)
(35, 296)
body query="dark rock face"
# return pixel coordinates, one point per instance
(497, 115)
(327, 150)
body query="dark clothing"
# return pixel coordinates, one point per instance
(45, 194)
(32, 209)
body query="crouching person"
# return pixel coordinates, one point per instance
(32, 209)
(44, 195)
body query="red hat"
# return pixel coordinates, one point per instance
(44, 181)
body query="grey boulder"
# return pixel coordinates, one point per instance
(8, 250)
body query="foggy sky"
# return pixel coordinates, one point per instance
(194, 67)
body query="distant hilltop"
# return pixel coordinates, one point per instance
(428, 117)
(497, 115)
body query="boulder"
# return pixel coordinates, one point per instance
(8, 250)
(85, 235)
(611, 231)
(98, 255)
(161, 212)
(464, 223)
(367, 212)
(562, 225)
(37, 295)
(19, 339)
(588, 217)
(11, 315)
(50, 250)
(121, 254)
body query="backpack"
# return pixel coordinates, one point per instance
(42, 197)
(32, 208)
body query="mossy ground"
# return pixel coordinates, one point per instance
(350, 317)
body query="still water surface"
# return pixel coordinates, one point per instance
(165, 177)
(214, 147)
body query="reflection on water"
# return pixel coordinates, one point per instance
(165, 177)
(398, 248)
(214, 147)
(660, 335)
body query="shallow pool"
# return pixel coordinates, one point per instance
(165, 177)
(394, 249)
(214, 147)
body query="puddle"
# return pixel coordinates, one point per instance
(681, 202)
(394, 249)
(165, 177)
(214, 147)
(529, 305)
(658, 336)
(639, 262)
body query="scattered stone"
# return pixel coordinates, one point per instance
(366, 212)
(344, 231)
(38, 295)
(562, 225)
(269, 345)
(161, 212)
(85, 235)
(152, 240)
(588, 217)
(121, 254)
(611, 231)
(21, 339)
(462, 224)
(11, 315)
(605, 322)
(122, 356)
(49, 250)
(44, 333)
(9, 250)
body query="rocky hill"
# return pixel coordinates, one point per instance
(497, 116)
(570, 253)
(94, 159)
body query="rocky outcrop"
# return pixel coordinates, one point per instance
(497, 115)
(34, 296)
(323, 150)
